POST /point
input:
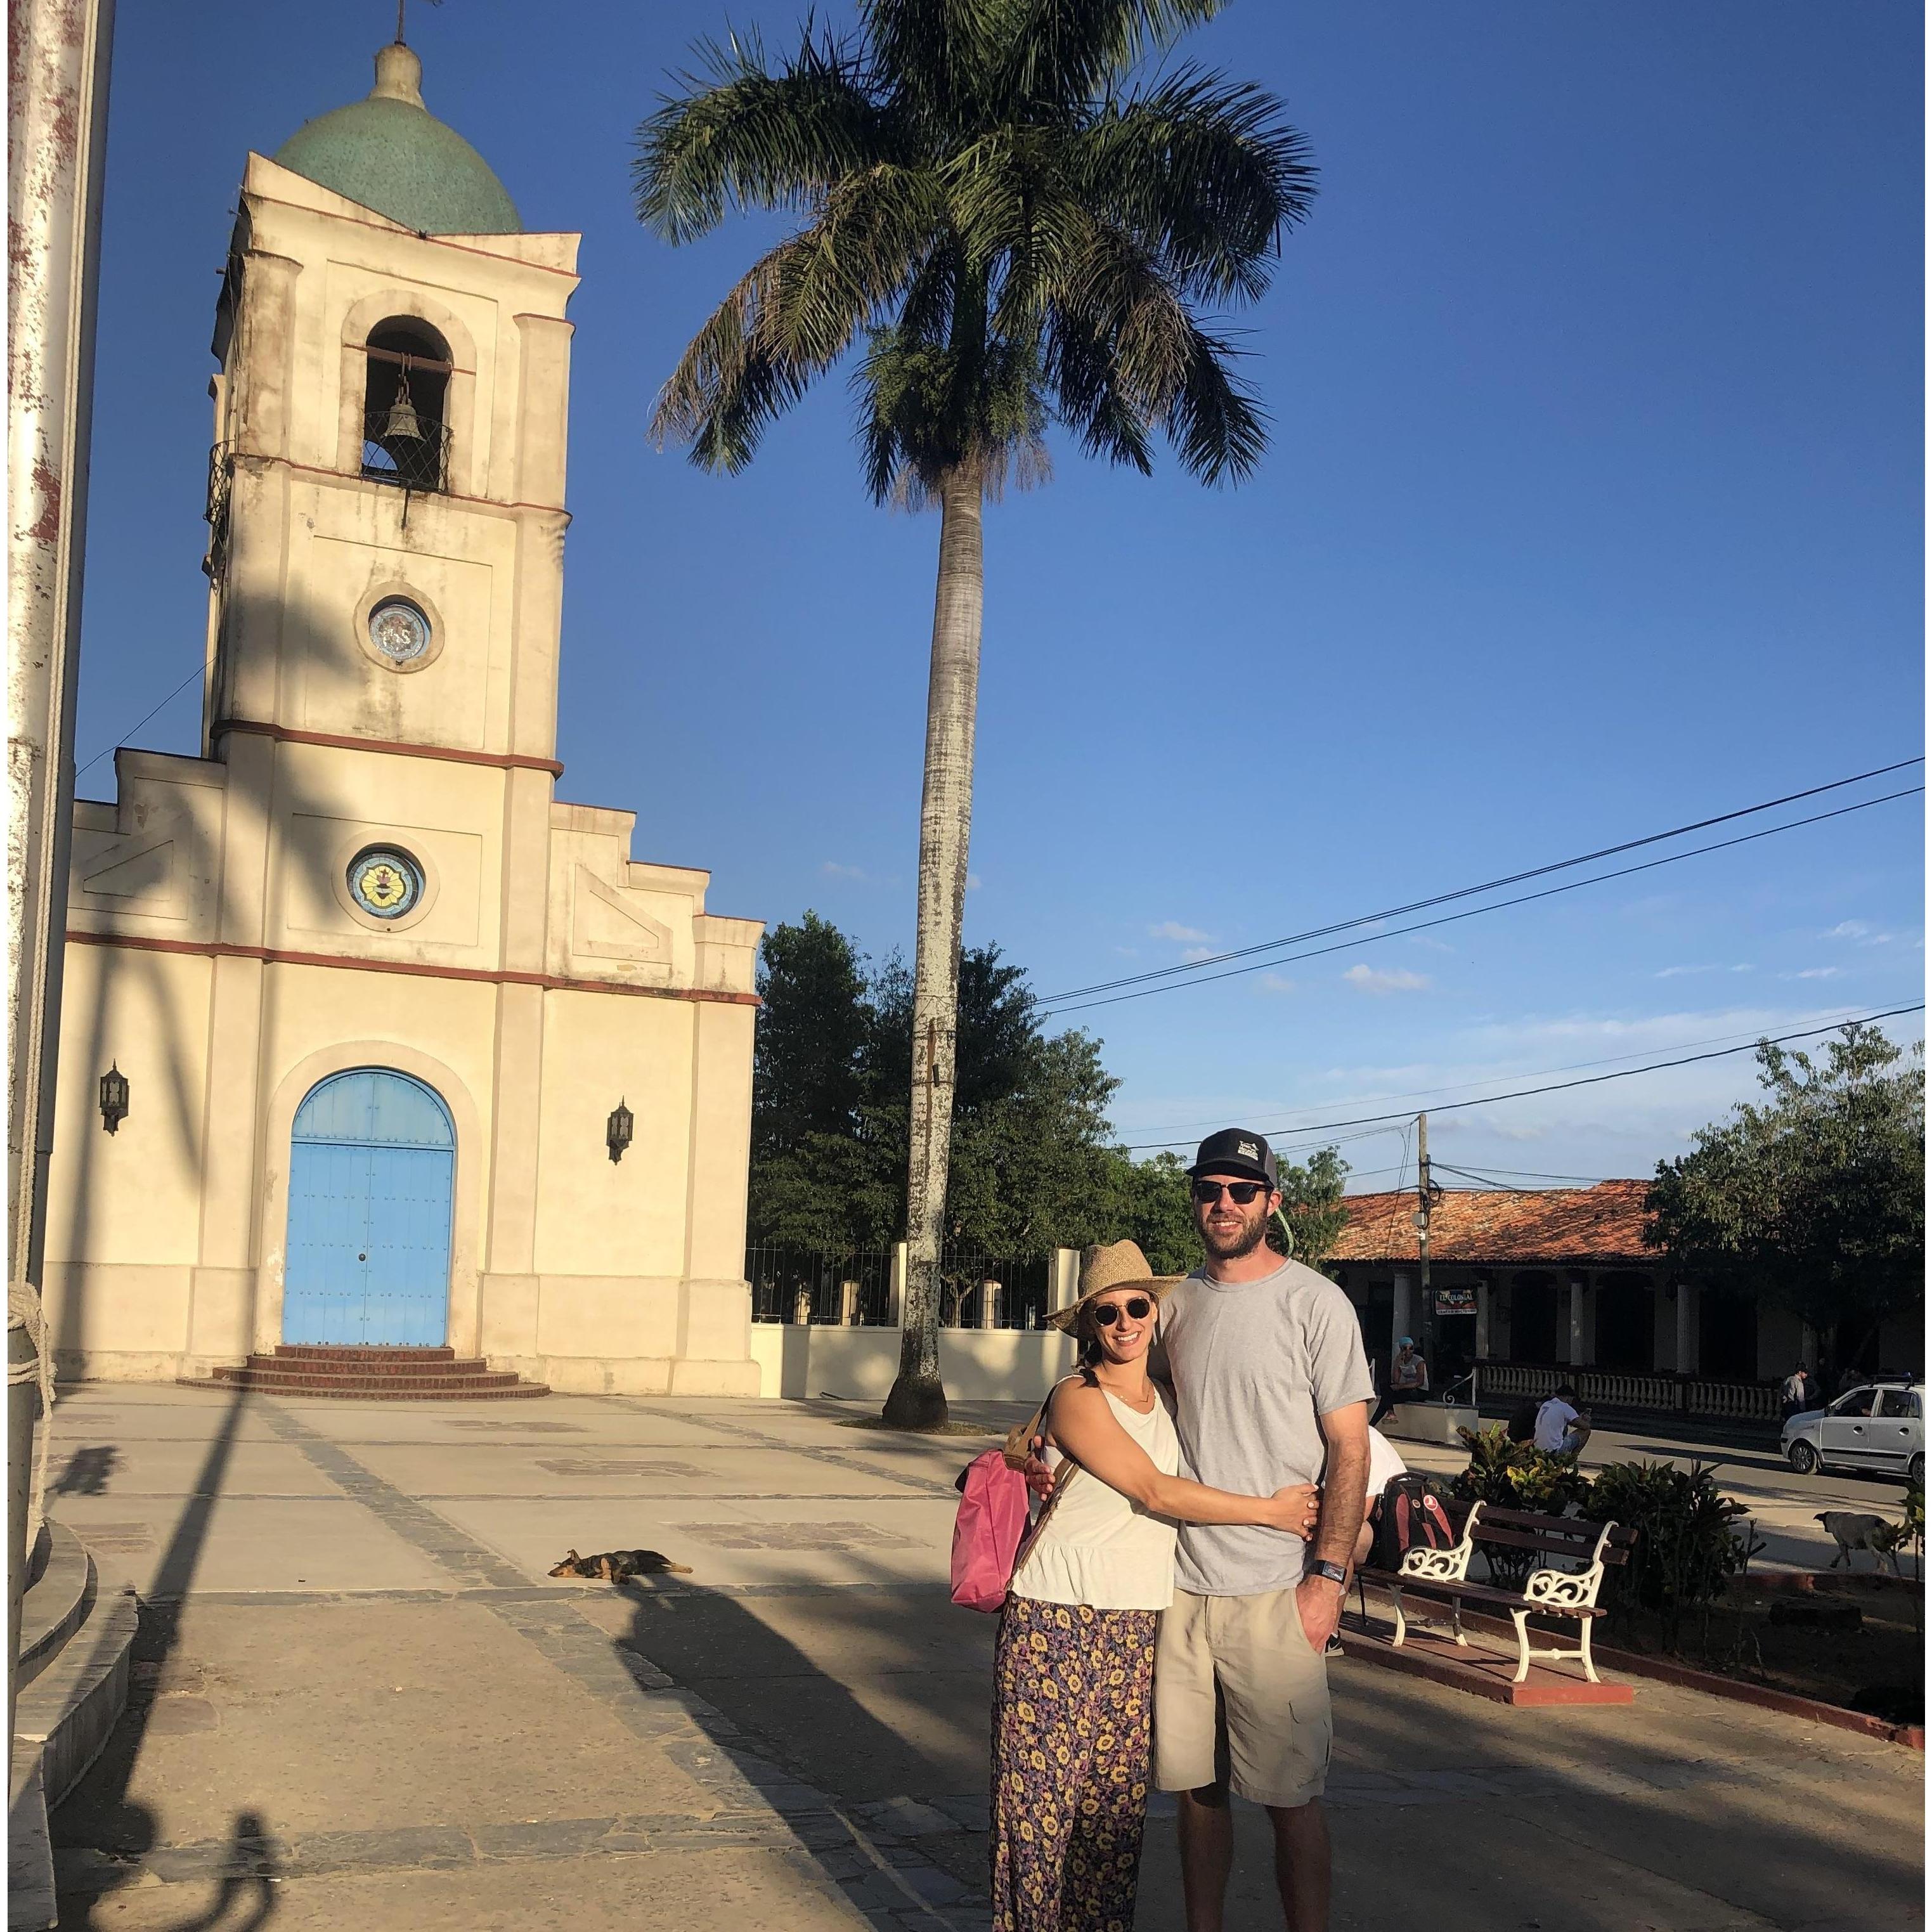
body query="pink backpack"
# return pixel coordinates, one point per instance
(987, 1531)
(990, 1535)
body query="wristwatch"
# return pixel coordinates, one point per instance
(1333, 1572)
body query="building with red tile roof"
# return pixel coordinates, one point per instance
(1555, 1227)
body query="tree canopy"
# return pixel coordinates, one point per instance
(1034, 1164)
(1815, 1197)
(1004, 226)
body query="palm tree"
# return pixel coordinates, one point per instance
(1016, 235)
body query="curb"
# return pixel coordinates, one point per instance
(1813, 1710)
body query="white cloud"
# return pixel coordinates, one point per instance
(1818, 973)
(1680, 972)
(1861, 932)
(833, 870)
(1423, 939)
(1275, 982)
(973, 882)
(1172, 928)
(1190, 954)
(1394, 979)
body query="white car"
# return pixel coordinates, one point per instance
(1879, 1426)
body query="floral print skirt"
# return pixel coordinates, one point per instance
(1072, 1720)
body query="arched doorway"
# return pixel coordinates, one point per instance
(371, 1158)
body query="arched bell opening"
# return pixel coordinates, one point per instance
(405, 399)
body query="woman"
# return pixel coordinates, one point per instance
(1073, 1667)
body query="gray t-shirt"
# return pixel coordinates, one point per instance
(1254, 1364)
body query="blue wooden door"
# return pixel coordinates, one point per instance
(371, 1164)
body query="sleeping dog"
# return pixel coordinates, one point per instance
(619, 1566)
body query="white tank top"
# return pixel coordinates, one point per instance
(1099, 1547)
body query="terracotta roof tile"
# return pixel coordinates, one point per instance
(1603, 1223)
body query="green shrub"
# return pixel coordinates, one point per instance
(1687, 1548)
(1517, 1475)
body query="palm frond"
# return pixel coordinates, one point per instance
(1205, 170)
(754, 138)
(1057, 55)
(1216, 425)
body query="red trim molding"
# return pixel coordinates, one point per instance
(273, 956)
(508, 761)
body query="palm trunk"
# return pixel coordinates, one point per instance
(918, 1400)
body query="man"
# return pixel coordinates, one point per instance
(1408, 1379)
(1561, 1429)
(1795, 1392)
(1270, 1384)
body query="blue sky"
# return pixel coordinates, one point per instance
(1594, 506)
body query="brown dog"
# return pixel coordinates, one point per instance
(619, 1566)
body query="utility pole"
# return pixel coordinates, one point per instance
(1424, 1191)
(57, 109)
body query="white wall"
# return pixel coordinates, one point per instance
(976, 1364)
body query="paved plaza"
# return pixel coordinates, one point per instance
(360, 1701)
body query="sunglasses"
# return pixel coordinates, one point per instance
(1138, 1308)
(1241, 1192)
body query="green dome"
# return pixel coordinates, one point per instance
(388, 152)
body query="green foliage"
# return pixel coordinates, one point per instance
(1816, 1198)
(1013, 230)
(1033, 1164)
(1518, 1475)
(1687, 1548)
(1031, 1168)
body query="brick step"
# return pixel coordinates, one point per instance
(254, 1378)
(318, 1352)
(379, 1392)
(279, 1364)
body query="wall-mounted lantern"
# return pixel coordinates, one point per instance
(113, 1098)
(617, 1130)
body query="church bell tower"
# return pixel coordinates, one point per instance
(420, 1058)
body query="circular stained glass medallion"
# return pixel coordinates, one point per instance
(384, 882)
(399, 630)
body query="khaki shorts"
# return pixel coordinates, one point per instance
(1240, 1697)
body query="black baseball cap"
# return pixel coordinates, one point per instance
(1238, 1150)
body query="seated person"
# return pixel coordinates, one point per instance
(1561, 1429)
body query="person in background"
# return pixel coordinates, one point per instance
(1408, 1379)
(1561, 1428)
(1796, 1391)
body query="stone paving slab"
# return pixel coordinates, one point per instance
(323, 1543)
(172, 1467)
(553, 1467)
(741, 1889)
(772, 1538)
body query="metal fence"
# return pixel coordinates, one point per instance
(803, 1285)
(855, 1288)
(1667, 1394)
(988, 1291)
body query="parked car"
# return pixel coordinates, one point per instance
(1876, 1427)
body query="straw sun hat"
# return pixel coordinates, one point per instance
(1112, 1264)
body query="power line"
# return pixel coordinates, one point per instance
(1491, 885)
(1591, 1080)
(1474, 912)
(133, 728)
(1521, 1174)
(1825, 1020)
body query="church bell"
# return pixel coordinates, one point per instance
(401, 420)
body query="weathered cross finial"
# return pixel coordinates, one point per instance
(401, 41)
